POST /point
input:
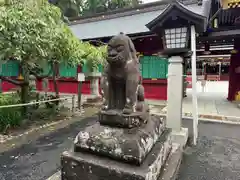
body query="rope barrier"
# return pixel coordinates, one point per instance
(32, 103)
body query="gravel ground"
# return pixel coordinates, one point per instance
(216, 157)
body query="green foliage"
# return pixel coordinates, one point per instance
(70, 8)
(116, 4)
(9, 117)
(74, 8)
(27, 29)
(69, 48)
(32, 31)
(78, 52)
(94, 56)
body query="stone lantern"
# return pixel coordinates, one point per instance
(178, 26)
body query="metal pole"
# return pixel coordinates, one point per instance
(194, 85)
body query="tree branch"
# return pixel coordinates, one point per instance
(99, 42)
(41, 77)
(15, 82)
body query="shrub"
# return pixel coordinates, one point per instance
(9, 117)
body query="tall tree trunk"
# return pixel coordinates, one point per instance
(55, 85)
(25, 87)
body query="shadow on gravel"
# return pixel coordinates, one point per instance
(216, 157)
(39, 159)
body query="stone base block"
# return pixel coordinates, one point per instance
(116, 118)
(171, 167)
(168, 172)
(128, 145)
(84, 166)
(56, 176)
(181, 137)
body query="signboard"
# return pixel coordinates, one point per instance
(81, 77)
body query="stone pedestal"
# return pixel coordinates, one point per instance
(94, 83)
(140, 153)
(116, 118)
(180, 137)
(95, 99)
(84, 166)
(127, 145)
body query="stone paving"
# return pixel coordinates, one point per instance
(213, 102)
(207, 106)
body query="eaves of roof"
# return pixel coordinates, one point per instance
(199, 19)
(131, 21)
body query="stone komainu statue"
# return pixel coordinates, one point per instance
(127, 142)
(120, 83)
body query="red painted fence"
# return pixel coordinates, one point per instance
(154, 89)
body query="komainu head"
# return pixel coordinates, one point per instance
(120, 50)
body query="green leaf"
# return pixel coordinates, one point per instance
(34, 33)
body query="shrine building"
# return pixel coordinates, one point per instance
(217, 47)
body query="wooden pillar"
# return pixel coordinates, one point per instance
(233, 75)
